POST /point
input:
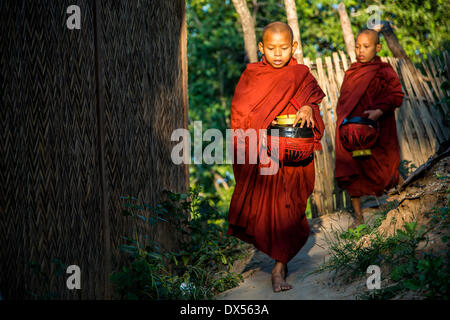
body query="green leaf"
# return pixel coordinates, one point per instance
(412, 285)
(185, 260)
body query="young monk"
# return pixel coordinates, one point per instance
(371, 89)
(268, 211)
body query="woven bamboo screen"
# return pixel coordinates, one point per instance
(86, 118)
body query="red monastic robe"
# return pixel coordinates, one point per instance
(269, 210)
(369, 86)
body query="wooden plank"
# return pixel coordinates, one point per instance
(344, 60)
(426, 89)
(326, 107)
(434, 72)
(435, 117)
(307, 62)
(410, 115)
(333, 91)
(440, 67)
(418, 108)
(328, 149)
(446, 58)
(318, 189)
(431, 78)
(402, 140)
(407, 142)
(339, 73)
(429, 117)
(415, 132)
(418, 103)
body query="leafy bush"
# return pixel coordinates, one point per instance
(201, 267)
(406, 168)
(427, 274)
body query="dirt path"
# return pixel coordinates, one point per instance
(257, 284)
(428, 190)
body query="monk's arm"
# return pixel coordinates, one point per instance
(310, 95)
(391, 96)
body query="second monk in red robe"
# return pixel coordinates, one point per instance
(371, 89)
(269, 210)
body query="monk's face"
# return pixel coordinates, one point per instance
(366, 47)
(277, 48)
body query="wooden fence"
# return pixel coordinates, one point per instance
(421, 120)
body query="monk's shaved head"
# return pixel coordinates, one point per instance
(367, 45)
(372, 33)
(278, 27)
(277, 44)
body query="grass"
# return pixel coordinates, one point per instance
(426, 274)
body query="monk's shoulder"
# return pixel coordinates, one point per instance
(387, 70)
(349, 72)
(300, 67)
(300, 72)
(250, 70)
(253, 66)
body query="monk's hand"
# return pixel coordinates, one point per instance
(306, 114)
(373, 114)
(274, 122)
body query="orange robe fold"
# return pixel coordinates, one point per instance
(269, 210)
(369, 86)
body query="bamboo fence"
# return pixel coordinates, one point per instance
(421, 126)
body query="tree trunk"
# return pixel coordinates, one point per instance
(391, 39)
(349, 38)
(398, 51)
(291, 13)
(248, 28)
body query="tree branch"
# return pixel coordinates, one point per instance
(248, 28)
(346, 26)
(291, 13)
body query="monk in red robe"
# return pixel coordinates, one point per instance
(268, 211)
(371, 89)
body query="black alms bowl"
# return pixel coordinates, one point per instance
(291, 132)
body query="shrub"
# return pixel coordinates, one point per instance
(201, 267)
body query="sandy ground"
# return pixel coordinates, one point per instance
(257, 271)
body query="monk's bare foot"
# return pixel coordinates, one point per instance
(279, 278)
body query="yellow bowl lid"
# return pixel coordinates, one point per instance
(286, 119)
(285, 116)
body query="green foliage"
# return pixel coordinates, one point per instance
(201, 267)
(406, 168)
(350, 258)
(421, 26)
(58, 271)
(440, 217)
(216, 58)
(428, 274)
(356, 233)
